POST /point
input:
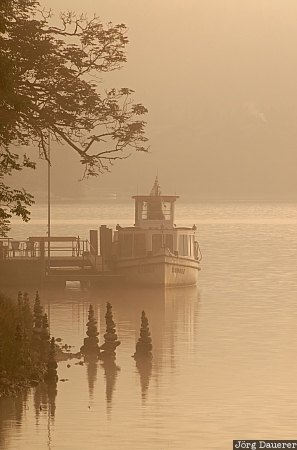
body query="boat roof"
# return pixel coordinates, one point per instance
(156, 192)
(165, 198)
(154, 229)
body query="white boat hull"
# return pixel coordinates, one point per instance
(159, 270)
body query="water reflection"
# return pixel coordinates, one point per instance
(171, 312)
(110, 374)
(92, 367)
(20, 406)
(45, 405)
(95, 385)
(222, 367)
(51, 398)
(144, 367)
(44, 399)
(12, 410)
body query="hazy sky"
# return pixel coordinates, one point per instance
(219, 79)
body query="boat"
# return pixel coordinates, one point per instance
(155, 251)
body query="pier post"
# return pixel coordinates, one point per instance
(94, 242)
(105, 241)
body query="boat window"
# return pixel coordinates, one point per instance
(166, 209)
(144, 210)
(155, 209)
(156, 242)
(169, 242)
(125, 244)
(191, 245)
(183, 245)
(139, 244)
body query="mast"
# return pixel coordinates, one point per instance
(49, 203)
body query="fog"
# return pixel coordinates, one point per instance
(219, 80)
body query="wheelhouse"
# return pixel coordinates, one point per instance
(154, 229)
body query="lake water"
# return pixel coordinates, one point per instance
(224, 354)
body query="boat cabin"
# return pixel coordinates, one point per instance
(154, 210)
(154, 229)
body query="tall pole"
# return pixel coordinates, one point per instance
(49, 203)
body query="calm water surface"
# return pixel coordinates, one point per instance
(224, 354)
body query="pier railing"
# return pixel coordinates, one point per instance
(63, 251)
(38, 247)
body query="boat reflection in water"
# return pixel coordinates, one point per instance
(94, 390)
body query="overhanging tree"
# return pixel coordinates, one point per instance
(49, 79)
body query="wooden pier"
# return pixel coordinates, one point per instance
(37, 261)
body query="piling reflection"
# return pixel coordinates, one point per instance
(110, 374)
(173, 324)
(170, 313)
(37, 403)
(91, 363)
(45, 408)
(45, 401)
(20, 406)
(51, 398)
(144, 368)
